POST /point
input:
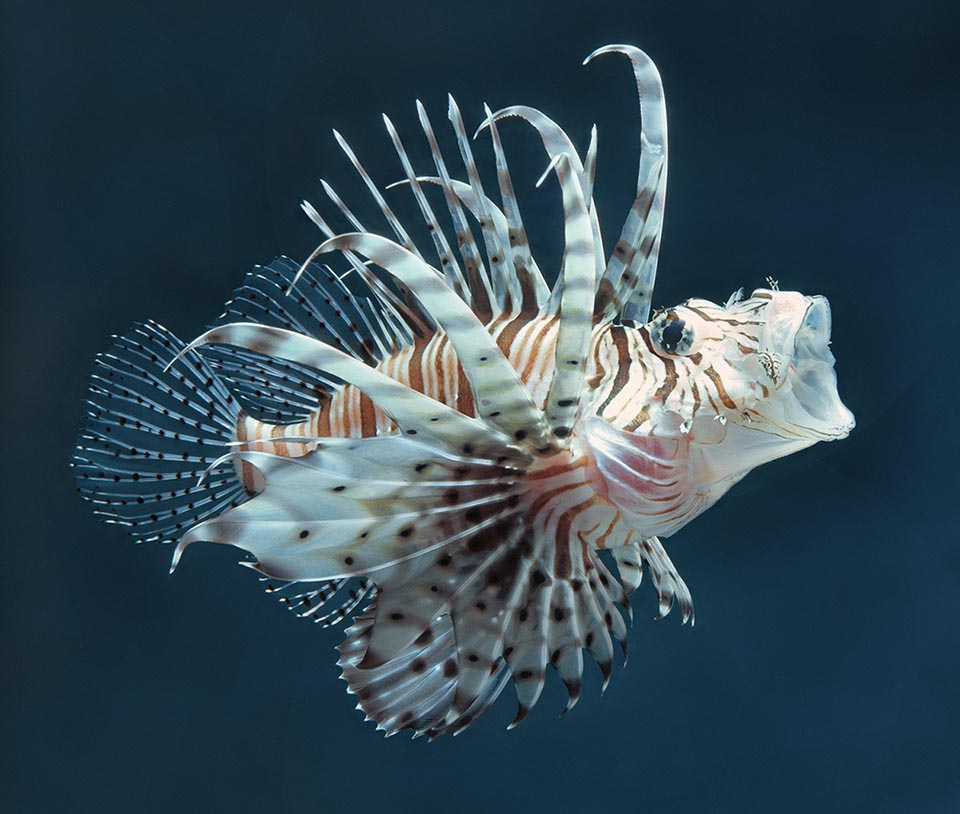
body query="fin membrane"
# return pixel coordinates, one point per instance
(150, 434)
(321, 306)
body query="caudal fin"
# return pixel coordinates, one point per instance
(150, 434)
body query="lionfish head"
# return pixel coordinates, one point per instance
(760, 369)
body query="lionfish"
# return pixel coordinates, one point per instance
(448, 452)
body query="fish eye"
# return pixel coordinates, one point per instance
(671, 334)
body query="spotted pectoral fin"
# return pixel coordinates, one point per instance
(357, 505)
(496, 605)
(448, 661)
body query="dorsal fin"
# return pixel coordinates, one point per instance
(448, 262)
(481, 293)
(577, 288)
(502, 274)
(485, 211)
(405, 314)
(321, 306)
(397, 227)
(555, 142)
(501, 396)
(627, 283)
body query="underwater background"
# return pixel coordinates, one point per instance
(153, 152)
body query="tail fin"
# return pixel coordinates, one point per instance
(150, 434)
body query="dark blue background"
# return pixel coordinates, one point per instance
(153, 152)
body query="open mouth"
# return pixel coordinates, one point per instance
(813, 379)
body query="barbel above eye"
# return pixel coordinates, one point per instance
(674, 333)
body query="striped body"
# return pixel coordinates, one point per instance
(430, 367)
(650, 421)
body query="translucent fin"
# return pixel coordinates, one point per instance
(670, 586)
(590, 167)
(320, 306)
(442, 641)
(356, 506)
(326, 605)
(645, 475)
(624, 287)
(270, 390)
(485, 211)
(409, 319)
(629, 565)
(411, 691)
(339, 203)
(392, 219)
(149, 435)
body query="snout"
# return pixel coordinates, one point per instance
(813, 378)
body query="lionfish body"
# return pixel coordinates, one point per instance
(456, 447)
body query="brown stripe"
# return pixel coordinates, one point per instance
(479, 301)
(321, 423)
(535, 338)
(721, 390)
(509, 333)
(698, 312)
(545, 498)
(246, 469)
(528, 294)
(465, 403)
(638, 419)
(665, 389)
(414, 369)
(368, 416)
(561, 559)
(696, 396)
(601, 541)
(619, 337)
(276, 431)
(439, 370)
